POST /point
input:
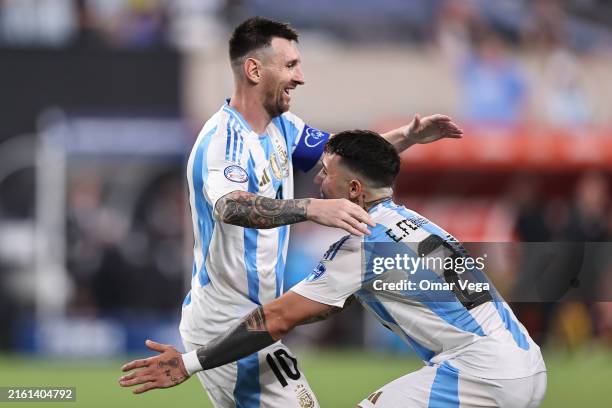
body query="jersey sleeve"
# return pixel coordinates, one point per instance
(306, 143)
(337, 276)
(220, 165)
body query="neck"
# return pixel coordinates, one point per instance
(250, 106)
(372, 198)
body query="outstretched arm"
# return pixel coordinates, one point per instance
(259, 329)
(252, 211)
(423, 130)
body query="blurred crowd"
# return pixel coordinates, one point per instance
(480, 39)
(581, 25)
(580, 271)
(496, 87)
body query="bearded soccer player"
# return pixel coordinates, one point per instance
(476, 352)
(240, 175)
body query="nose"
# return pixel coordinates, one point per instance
(318, 179)
(299, 76)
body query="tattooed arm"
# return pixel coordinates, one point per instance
(252, 211)
(249, 210)
(259, 329)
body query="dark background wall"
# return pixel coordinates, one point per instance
(32, 80)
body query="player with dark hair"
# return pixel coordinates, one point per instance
(240, 177)
(476, 352)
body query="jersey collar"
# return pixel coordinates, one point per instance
(236, 115)
(382, 203)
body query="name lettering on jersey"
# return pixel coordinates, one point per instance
(404, 227)
(236, 174)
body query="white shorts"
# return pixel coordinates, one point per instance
(443, 386)
(267, 379)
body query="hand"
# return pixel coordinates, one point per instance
(340, 213)
(162, 371)
(432, 128)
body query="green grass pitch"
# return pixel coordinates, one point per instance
(339, 378)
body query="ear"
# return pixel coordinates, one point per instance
(355, 189)
(252, 70)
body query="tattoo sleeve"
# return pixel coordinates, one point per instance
(247, 337)
(252, 211)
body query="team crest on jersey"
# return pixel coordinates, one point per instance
(313, 137)
(304, 398)
(236, 174)
(317, 272)
(282, 155)
(275, 166)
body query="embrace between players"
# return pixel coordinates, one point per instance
(240, 175)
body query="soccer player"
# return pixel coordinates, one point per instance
(476, 352)
(240, 176)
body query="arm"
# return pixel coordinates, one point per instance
(252, 211)
(259, 329)
(423, 130)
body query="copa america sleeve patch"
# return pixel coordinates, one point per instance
(236, 174)
(309, 149)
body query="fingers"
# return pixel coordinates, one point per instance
(148, 386)
(357, 217)
(135, 379)
(350, 229)
(439, 118)
(356, 220)
(136, 364)
(156, 346)
(450, 130)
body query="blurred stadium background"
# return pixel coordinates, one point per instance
(100, 101)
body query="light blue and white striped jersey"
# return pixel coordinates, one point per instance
(474, 329)
(237, 268)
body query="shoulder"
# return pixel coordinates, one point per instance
(346, 244)
(218, 131)
(288, 123)
(290, 117)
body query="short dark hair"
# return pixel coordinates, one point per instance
(255, 33)
(368, 154)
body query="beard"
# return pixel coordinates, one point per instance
(274, 104)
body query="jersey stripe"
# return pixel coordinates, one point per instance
(206, 222)
(280, 263)
(451, 311)
(241, 146)
(247, 392)
(445, 388)
(228, 141)
(250, 242)
(379, 309)
(235, 135)
(511, 326)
